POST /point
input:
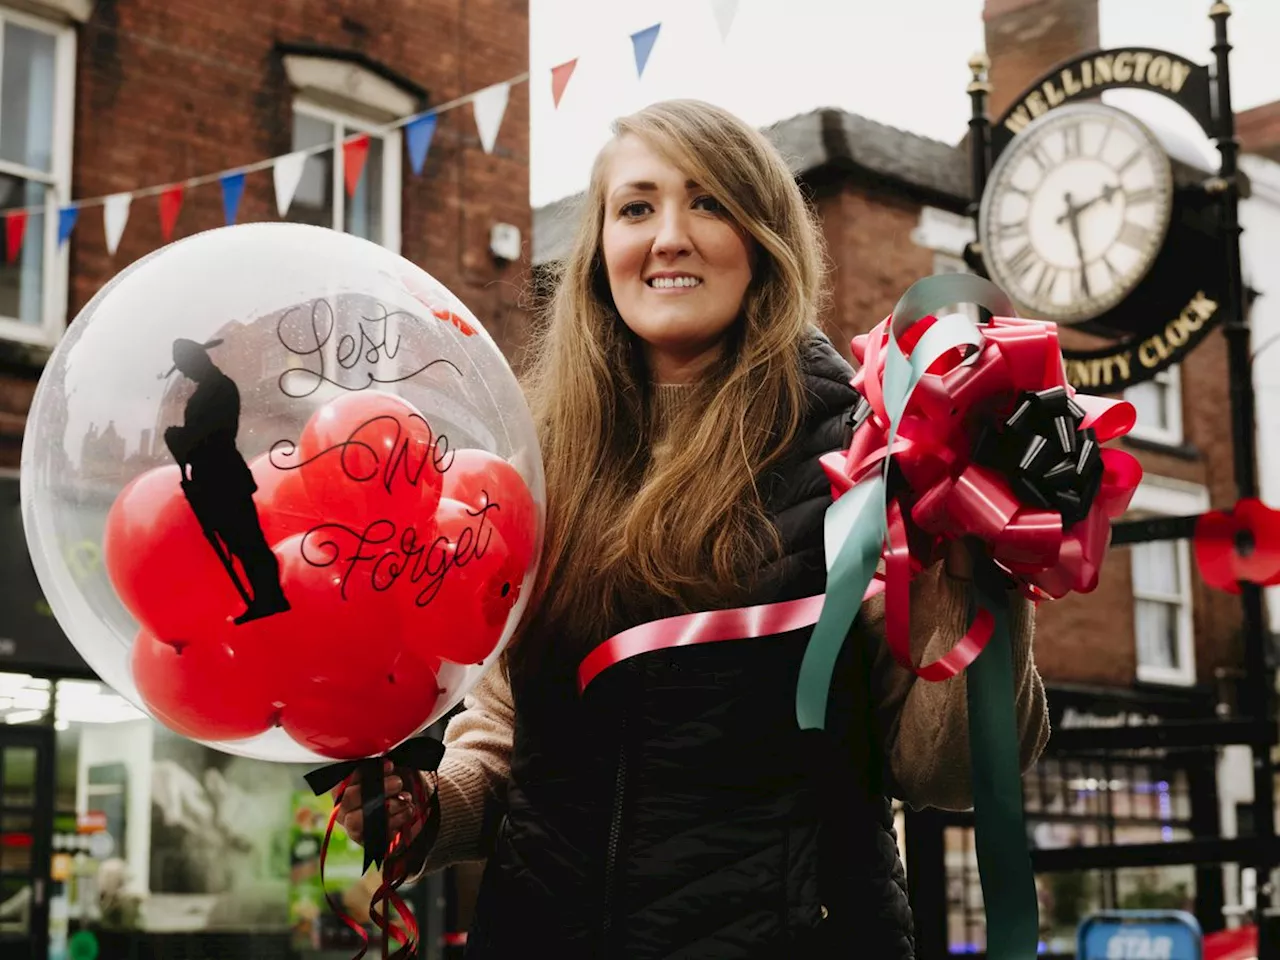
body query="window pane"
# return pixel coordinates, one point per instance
(1155, 569)
(313, 201)
(26, 98)
(21, 282)
(364, 209)
(1151, 403)
(1157, 628)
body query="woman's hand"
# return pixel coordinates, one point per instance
(400, 805)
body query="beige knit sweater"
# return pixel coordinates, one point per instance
(925, 723)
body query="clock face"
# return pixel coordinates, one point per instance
(1075, 212)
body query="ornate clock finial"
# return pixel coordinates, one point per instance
(1220, 9)
(979, 64)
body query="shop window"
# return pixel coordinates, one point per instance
(1158, 405)
(1161, 574)
(37, 78)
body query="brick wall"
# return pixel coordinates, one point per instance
(1258, 130)
(169, 89)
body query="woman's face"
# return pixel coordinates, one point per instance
(678, 266)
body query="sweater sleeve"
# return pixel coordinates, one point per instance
(924, 725)
(472, 779)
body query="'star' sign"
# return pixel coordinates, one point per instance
(1139, 935)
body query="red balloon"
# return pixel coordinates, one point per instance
(284, 506)
(349, 686)
(479, 478)
(216, 686)
(370, 456)
(164, 570)
(461, 588)
(346, 709)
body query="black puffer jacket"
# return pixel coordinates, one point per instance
(676, 810)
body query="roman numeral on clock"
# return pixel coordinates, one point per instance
(1132, 235)
(1023, 260)
(1071, 142)
(1045, 284)
(1144, 195)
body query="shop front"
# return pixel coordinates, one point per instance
(120, 839)
(1074, 800)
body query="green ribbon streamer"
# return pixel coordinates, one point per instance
(854, 531)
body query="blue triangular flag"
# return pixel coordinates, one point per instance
(232, 191)
(643, 41)
(418, 137)
(67, 218)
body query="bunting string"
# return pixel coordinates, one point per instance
(488, 103)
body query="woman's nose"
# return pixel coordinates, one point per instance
(672, 238)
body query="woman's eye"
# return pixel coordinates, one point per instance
(634, 209)
(710, 204)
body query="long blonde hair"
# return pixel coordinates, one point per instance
(689, 531)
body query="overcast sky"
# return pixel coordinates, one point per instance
(901, 62)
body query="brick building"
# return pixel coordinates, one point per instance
(108, 96)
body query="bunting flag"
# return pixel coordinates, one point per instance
(115, 214)
(725, 11)
(286, 173)
(490, 104)
(643, 41)
(232, 191)
(67, 218)
(354, 153)
(15, 228)
(560, 79)
(417, 137)
(170, 206)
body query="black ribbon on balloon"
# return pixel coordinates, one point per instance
(420, 753)
(1050, 462)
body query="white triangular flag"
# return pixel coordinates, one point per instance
(286, 174)
(490, 104)
(115, 214)
(725, 11)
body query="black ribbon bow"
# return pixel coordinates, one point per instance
(420, 753)
(1049, 461)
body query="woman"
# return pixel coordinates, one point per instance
(674, 808)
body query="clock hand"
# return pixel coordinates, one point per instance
(1072, 216)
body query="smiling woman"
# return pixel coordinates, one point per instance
(672, 806)
(678, 265)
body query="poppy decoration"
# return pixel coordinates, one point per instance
(1239, 545)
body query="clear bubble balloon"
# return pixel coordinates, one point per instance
(282, 492)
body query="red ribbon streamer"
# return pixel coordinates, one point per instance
(709, 626)
(394, 873)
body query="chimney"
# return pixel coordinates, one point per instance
(1258, 130)
(1026, 37)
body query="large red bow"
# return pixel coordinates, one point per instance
(944, 495)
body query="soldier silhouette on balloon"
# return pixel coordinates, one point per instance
(217, 482)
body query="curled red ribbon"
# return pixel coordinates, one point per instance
(394, 872)
(945, 496)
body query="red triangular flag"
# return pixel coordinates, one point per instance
(354, 154)
(15, 228)
(560, 78)
(170, 205)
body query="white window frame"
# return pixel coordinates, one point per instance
(345, 124)
(1162, 496)
(1171, 377)
(58, 179)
